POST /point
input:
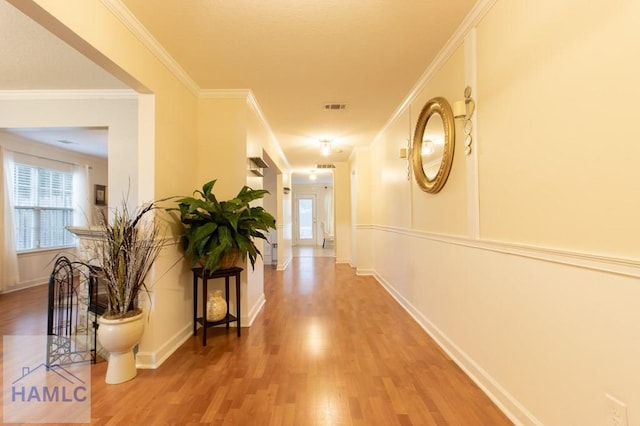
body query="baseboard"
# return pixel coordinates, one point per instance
(510, 406)
(153, 360)
(25, 285)
(254, 311)
(285, 264)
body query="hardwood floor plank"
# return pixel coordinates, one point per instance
(328, 348)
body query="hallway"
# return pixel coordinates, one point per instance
(328, 348)
(314, 251)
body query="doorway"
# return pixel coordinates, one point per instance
(305, 214)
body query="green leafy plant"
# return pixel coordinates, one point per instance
(123, 256)
(214, 229)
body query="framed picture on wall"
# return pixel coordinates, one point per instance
(101, 195)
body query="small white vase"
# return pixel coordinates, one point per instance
(216, 306)
(118, 337)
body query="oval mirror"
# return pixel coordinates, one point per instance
(433, 144)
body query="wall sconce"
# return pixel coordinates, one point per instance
(312, 175)
(464, 110)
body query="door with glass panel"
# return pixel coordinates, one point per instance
(305, 219)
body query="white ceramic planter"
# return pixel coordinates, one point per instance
(118, 337)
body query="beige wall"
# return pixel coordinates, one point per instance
(445, 212)
(540, 309)
(562, 90)
(222, 144)
(171, 157)
(544, 328)
(390, 177)
(262, 143)
(362, 199)
(342, 219)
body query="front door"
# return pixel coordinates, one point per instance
(306, 219)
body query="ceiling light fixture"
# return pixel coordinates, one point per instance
(325, 148)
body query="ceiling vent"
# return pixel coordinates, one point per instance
(334, 107)
(325, 166)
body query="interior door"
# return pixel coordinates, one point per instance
(306, 219)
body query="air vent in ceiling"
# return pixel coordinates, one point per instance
(325, 166)
(334, 107)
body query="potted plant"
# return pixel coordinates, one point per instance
(121, 257)
(216, 231)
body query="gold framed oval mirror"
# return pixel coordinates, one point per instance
(433, 145)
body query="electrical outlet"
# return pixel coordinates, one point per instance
(616, 412)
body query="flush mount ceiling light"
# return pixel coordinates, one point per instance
(325, 147)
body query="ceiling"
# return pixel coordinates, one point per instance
(295, 56)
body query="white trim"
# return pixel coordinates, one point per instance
(122, 13)
(365, 226)
(247, 320)
(118, 94)
(613, 265)
(153, 360)
(510, 406)
(36, 282)
(470, 21)
(285, 264)
(252, 101)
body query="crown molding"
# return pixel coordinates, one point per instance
(124, 15)
(225, 94)
(468, 23)
(252, 102)
(125, 94)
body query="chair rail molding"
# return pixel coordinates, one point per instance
(613, 265)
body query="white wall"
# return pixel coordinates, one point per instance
(535, 292)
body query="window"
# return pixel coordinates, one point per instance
(43, 203)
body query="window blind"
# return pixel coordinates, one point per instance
(43, 202)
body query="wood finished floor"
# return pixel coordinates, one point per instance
(328, 348)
